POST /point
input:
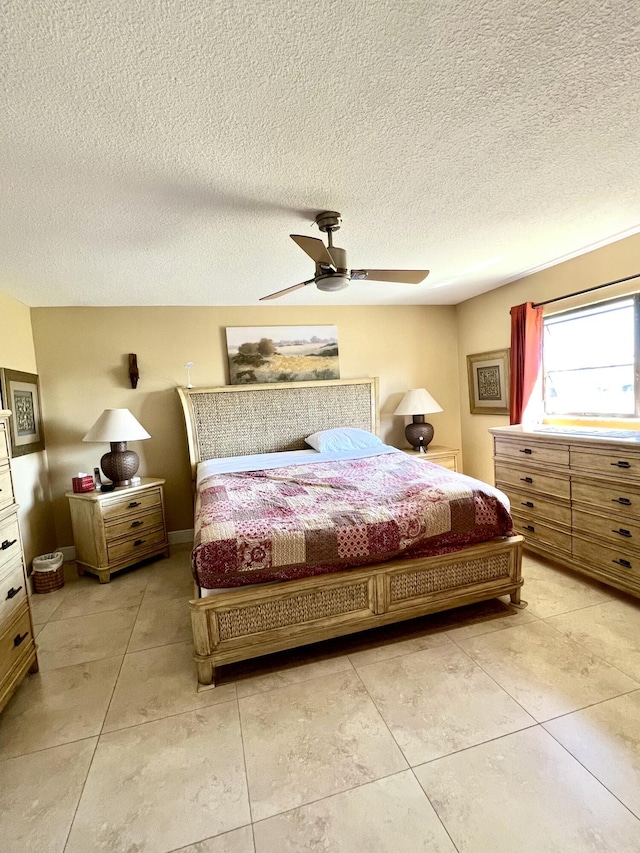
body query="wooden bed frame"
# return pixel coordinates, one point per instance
(251, 621)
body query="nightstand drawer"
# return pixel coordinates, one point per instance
(13, 593)
(6, 486)
(139, 524)
(9, 540)
(132, 503)
(15, 642)
(125, 548)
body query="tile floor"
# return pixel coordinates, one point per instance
(484, 729)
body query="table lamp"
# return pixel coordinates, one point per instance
(118, 426)
(418, 402)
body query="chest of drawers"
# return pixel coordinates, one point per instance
(113, 530)
(17, 646)
(575, 499)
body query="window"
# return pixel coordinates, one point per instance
(590, 360)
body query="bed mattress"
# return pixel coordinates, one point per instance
(317, 515)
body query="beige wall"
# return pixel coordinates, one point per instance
(31, 478)
(82, 355)
(484, 324)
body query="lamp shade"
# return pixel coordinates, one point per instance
(418, 401)
(116, 425)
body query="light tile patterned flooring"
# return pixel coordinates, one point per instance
(478, 730)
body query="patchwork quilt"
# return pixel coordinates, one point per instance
(303, 520)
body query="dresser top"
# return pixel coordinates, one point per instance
(571, 434)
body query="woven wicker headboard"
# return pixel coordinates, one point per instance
(236, 420)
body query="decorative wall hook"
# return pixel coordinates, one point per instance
(134, 373)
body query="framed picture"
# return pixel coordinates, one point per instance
(21, 394)
(489, 382)
(282, 354)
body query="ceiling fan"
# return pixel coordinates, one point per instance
(331, 262)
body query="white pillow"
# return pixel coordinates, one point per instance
(342, 438)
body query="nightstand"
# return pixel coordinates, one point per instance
(113, 530)
(448, 457)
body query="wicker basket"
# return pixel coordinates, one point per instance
(47, 576)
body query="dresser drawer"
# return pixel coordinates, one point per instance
(139, 524)
(15, 643)
(527, 480)
(132, 503)
(6, 486)
(619, 500)
(621, 532)
(537, 533)
(9, 540)
(614, 465)
(617, 560)
(13, 593)
(532, 451)
(541, 509)
(122, 549)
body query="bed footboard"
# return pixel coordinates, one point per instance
(253, 621)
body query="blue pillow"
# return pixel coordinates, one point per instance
(342, 438)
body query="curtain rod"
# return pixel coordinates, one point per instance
(588, 290)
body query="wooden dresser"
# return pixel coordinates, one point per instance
(113, 530)
(575, 497)
(17, 646)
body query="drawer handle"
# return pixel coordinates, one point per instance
(527, 450)
(623, 501)
(621, 464)
(139, 542)
(527, 479)
(622, 532)
(6, 544)
(137, 523)
(621, 562)
(529, 527)
(20, 638)
(134, 504)
(13, 592)
(528, 503)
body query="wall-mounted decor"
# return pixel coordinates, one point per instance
(489, 382)
(282, 354)
(21, 394)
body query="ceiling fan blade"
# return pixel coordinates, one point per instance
(315, 248)
(400, 276)
(280, 293)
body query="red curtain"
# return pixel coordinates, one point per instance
(526, 356)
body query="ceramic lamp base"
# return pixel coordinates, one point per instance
(120, 465)
(417, 430)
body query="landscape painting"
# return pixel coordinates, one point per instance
(282, 354)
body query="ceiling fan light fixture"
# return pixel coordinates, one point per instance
(332, 282)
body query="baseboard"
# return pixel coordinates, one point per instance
(176, 537)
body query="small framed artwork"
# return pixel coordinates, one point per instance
(21, 394)
(489, 382)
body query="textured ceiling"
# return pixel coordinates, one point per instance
(159, 153)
